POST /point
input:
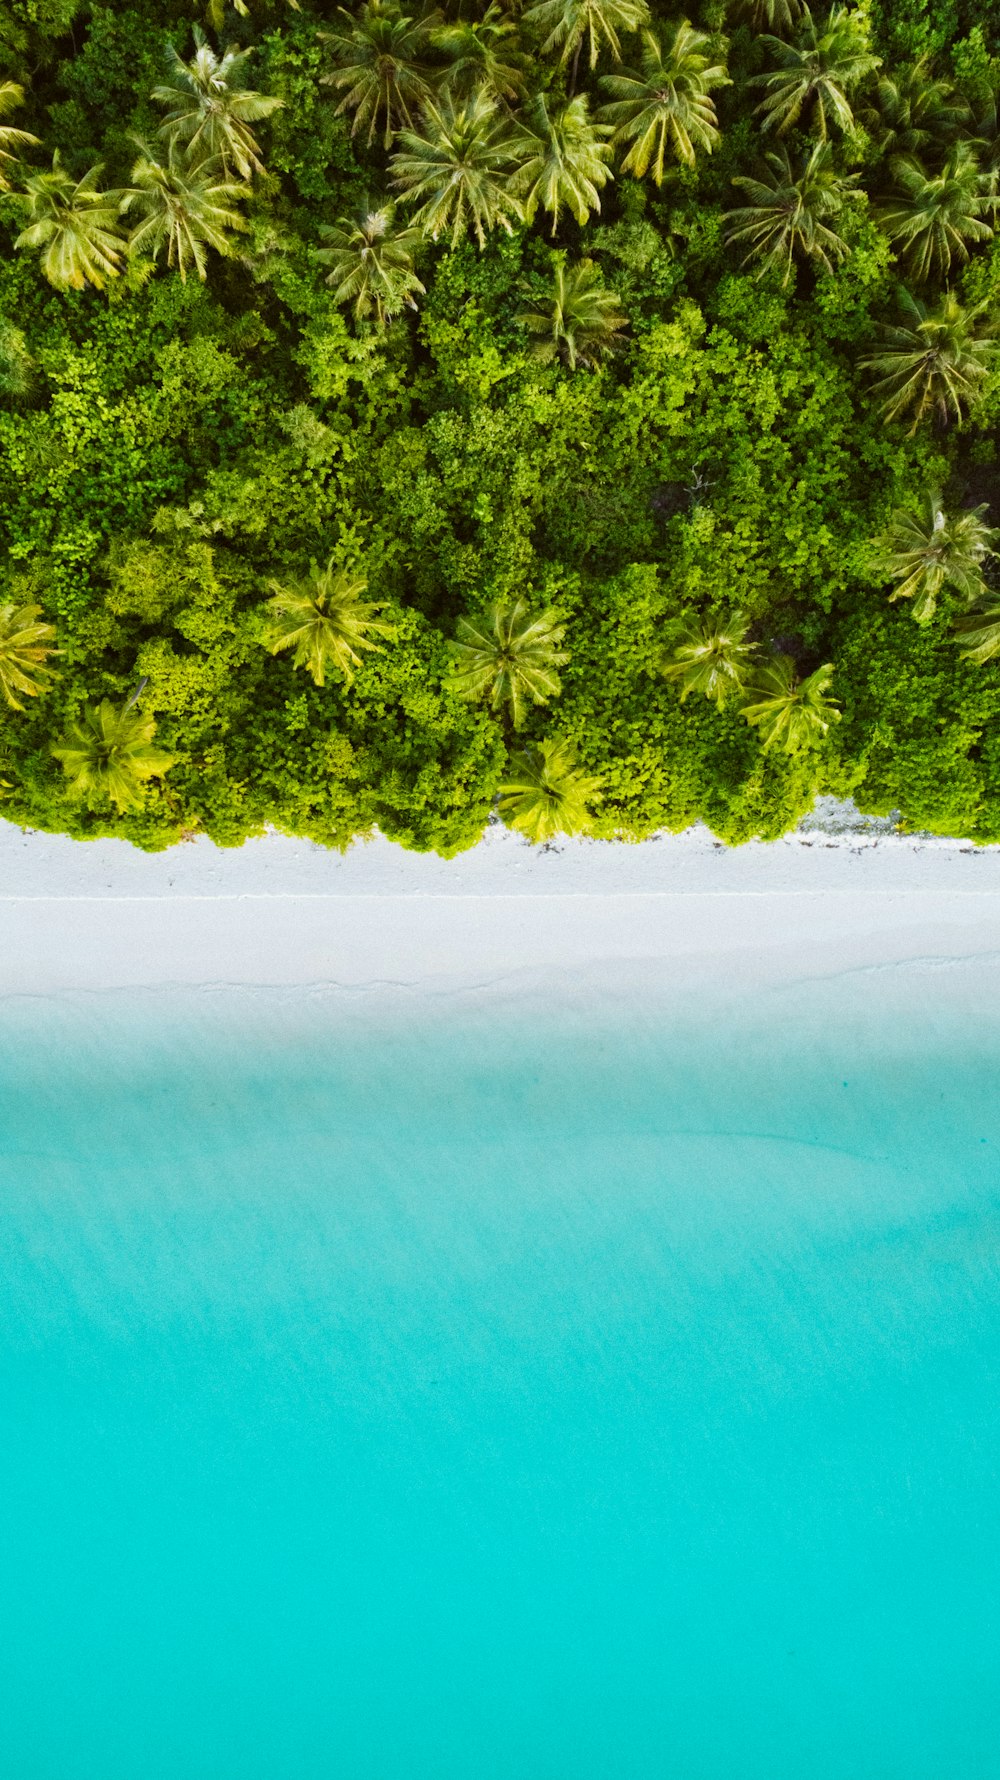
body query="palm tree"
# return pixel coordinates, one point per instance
(371, 263)
(215, 10)
(511, 654)
(563, 159)
(568, 22)
(937, 364)
(11, 96)
(769, 15)
(108, 755)
(76, 226)
(791, 205)
(666, 107)
(482, 56)
(379, 58)
(581, 321)
(26, 642)
(790, 713)
(325, 620)
(816, 72)
(183, 207)
(709, 655)
(211, 109)
(458, 170)
(979, 634)
(934, 216)
(17, 367)
(925, 549)
(547, 794)
(915, 109)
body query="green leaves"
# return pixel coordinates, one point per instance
(789, 713)
(510, 655)
(108, 756)
(926, 549)
(26, 643)
(325, 621)
(546, 793)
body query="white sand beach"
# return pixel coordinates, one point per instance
(838, 896)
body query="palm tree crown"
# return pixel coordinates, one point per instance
(709, 655)
(816, 72)
(790, 210)
(979, 633)
(211, 109)
(935, 365)
(934, 216)
(108, 755)
(915, 109)
(666, 107)
(11, 140)
(183, 208)
(26, 642)
(926, 548)
(568, 23)
(511, 654)
(457, 168)
(546, 793)
(581, 321)
(563, 160)
(482, 55)
(325, 620)
(380, 68)
(371, 262)
(787, 712)
(76, 226)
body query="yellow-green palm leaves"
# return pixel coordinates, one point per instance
(74, 224)
(11, 140)
(183, 208)
(580, 321)
(511, 655)
(547, 794)
(325, 621)
(792, 206)
(371, 262)
(562, 159)
(26, 642)
(789, 713)
(108, 755)
(380, 68)
(457, 168)
(935, 364)
(665, 109)
(979, 633)
(933, 218)
(816, 72)
(210, 109)
(926, 549)
(709, 655)
(568, 24)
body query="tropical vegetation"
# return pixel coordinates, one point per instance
(420, 415)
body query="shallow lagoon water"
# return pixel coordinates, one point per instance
(518, 1385)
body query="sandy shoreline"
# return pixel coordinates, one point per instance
(283, 912)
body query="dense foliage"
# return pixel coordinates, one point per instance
(565, 407)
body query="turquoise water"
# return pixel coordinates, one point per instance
(500, 1387)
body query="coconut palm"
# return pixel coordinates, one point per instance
(75, 224)
(457, 169)
(211, 108)
(371, 262)
(26, 642)
(709, 655)
(935, 364)
(933, 217)
(568, 23)
(108, 755)
(183, 208)
(787, 712)
(11, 140)
(979, 634)
(482, 55)
(563, 159)
(511, 654)
(547, 794)
(926, 548)
(826, 60)
(915, 109)
(325, 620)
(780, 16)
(581, 321)
(665, 108)
(381, 68)
(215, 10)
(792, 205)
